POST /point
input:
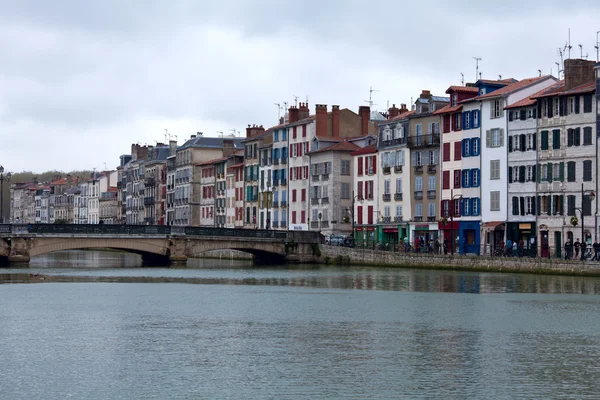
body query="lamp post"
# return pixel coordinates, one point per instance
(352, 212)
(3, 178)
(458, 196)
(268, 193)
(592, 196)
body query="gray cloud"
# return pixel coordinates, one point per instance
(81, 81)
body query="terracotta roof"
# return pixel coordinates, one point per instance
(62, 181)
(526, 102)
(404, 115)
(210, 162)
(464, 89)
(509, 88)
(506, 81)
(339, 146)
(365, 150)
(559, 89)
(113, 189)
(240, 165)
(448, 109)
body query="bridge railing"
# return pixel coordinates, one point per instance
(248, 233)
(99, 229)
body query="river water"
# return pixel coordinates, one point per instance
(95, 325)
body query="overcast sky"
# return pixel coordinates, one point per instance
(80, 80)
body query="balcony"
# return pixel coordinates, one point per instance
(387, 170)
(387, 197)
(149, 182)
(314, 201)
(418, 195)
(325, 177)
(398, 141)
(431, 169)
(386, 220)
(324, 200)
(324, 224)
(283, 205)
(275, 224)
(397, 219)
(398, 169)
(283, 224)
(283, 182)
(419, 218)
(314, 224)
(315, 178)
(415, 142)
(275, 162)
(276, 204)
(283, 162)
(397, 196)
(418, 169)
(431, 218)
(431, 194)
(148, 201)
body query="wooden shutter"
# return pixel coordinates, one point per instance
(533, 173)
(374, 164)
(510, 175)
(549, 166)
(544, 140)
(457, 150)
(587, 135)
(570, 137)
(561, 172)
(501, 137)
(446, 151)
(446, 180)
(360, 166)
(523, 142)
(360, 190)
(510, 144)
(488, 138)
(522, 205)
(577, 137)
(522, 173)
(577, 101)
(550, 103)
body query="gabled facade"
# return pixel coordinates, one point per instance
(366, 194)
(256, 136)
(280, 177)
(265, 170)
(424, 145)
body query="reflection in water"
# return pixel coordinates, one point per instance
(294, 333)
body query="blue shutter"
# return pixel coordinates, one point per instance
(464, 148)
(464, 117)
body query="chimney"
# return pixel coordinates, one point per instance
(253, 130)
(292, 114)
(578, 72)
(321, 112)
(403, 108)
(228, 148)
(303, 111)
(425, 94)
(393, 112)
(365, 117)
(172, 147)
(335, 121)
(192, 136)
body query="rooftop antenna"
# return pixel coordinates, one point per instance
(569, 44)
(167, 136)
(462, 79)
(561, 53)
(234, 131)
(295, 100)
(220, 134)
(105, 165)
(499, 77)
(539, 72)
(581, 50)
(477, 59)
(278, 110)
(480, 75)
(307, 100)
(370, 101)
(597, 47)
(558, 69)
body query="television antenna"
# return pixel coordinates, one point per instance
(539, 72)
(278, 110)
(295, 100)
(220, 134)
(462, 79)
(558, 69)
(370, 101)
(597, 46)
(477, 59)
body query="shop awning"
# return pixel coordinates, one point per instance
(494, 225)
(390, 230)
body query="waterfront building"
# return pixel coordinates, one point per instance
(424, 144)
(493, 153)
(460, 165)
(22, 200)
(255, 137)
(265, 189)
(393, 178)
(567, 159)
(237, 172)
(221, 192)
(365, 195)
(280, 175)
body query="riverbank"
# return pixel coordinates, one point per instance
(349, 256)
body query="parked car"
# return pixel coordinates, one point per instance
(334, 240)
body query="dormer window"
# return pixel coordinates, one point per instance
(454, 100)
(482, 91)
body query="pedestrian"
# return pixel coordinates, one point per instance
(508, 249)
(532, 246)
(437, 245)
(596, 247)
(577, 248)
(583, 250)
(568, 249)
(515, 248)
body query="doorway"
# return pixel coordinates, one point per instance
(544, 250)
(558, 244)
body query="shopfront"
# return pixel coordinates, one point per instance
(366, 236)
(449, 231)
(493, 236)
(470, 237)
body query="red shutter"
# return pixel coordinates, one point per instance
(370, 216)
(446, 152)
(291, 147)
(359, 214)
(293, 217)
(360, 166)
(302, 216)
(366, 165)
(360, 190)
(446, 123)
(303, 130)
(306, 172)
(294, 195)
(457, 150)
(446, 180)
(374, 164)
(303, 194)
(294, 132)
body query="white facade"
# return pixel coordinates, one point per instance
(299, 139)
(265, 189)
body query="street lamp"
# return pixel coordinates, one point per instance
(3, 177)
(268, 192)
(459, 197)
(592, 196)
(352, 211)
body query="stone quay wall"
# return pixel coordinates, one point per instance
(351, 256)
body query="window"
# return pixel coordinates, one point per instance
(544, 144)
(475, 146)
(556, 139)
(399, 211)
(586, 205)
(587, 171)
(466, 148)
(457, 207)
(445, 179)
(495, 138)
(466, 181)
(494, 169)
(495, 201)
(418, 158)
(345, 190)
(431, 181)
(345, 167)
(431, 210)
(496, 108)
(457, 150)
(466, 207)
(475, 206)
(398, 185)
(454, 99)
(457, 179)
(587, 103)
(475, 178)
(556, 106)
(386, 186)
(467, 120)
(418, 184)
(419, 210)
(446, 152)
(476, 119)
(587, 136)
(571, 171)
(571, 205)
(399, 157)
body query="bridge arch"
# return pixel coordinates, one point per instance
(264, 252)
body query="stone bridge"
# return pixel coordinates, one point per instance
(157, 244)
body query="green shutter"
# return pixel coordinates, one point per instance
(538, 173)
(549, 172)
(556, 139)
(544, 140)
(561, 170)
